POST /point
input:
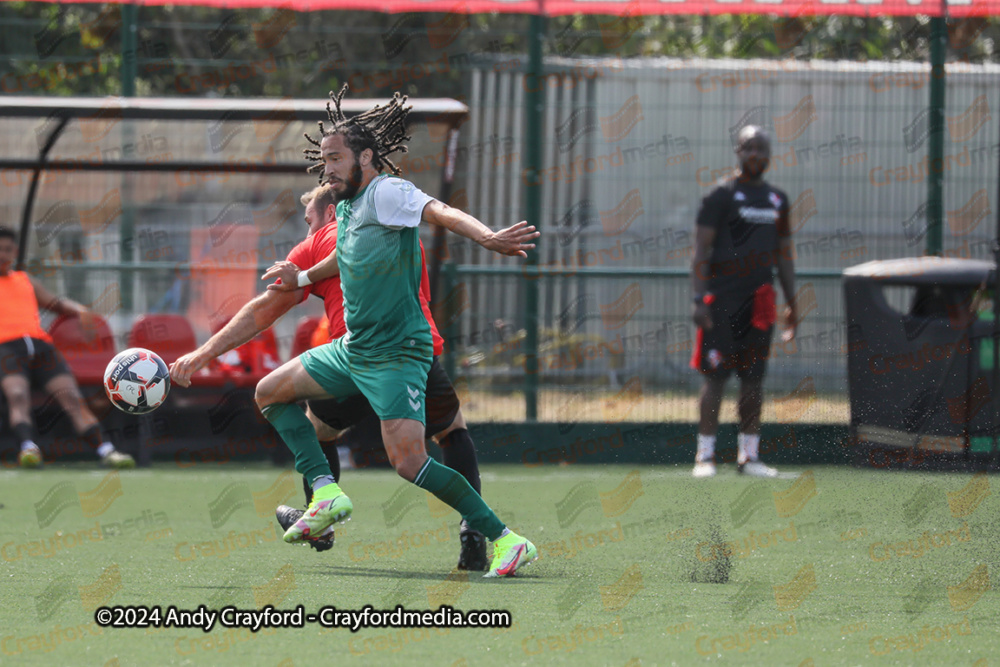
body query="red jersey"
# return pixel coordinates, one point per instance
(19, 312)
(318, 247)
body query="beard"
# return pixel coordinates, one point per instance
(352, 184)
(755, 169)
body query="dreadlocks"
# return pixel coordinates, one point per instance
(381, 129)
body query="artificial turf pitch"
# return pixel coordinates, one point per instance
(638, 566)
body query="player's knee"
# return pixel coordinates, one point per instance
(716, 381)
(18, 397)
(408, 457)
(713, 388)
(456, 423)
(442, 435)
(409, 467)
(264, 394)
(405, 472)
(71, 400)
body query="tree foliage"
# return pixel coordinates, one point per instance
(77, 49)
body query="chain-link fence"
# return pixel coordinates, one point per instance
(639, 117)
(632, 146)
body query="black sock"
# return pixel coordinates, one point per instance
(333, 456)
(307, 487)
(92, 436)
(460, 456)
(23, 431)
(330, 449)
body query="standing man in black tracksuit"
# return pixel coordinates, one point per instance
(743, 236)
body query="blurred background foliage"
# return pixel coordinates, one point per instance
(77, 49)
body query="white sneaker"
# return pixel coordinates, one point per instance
(30, 457)
(118, 460)
(756, 469)
(703, 469)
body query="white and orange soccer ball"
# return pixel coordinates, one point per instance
(137, 381)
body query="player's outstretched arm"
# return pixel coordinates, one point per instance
(57, 304)
(286, 274)
(256, 316)
(513, 241)
(63, 306)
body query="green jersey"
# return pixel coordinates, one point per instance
(378, 251)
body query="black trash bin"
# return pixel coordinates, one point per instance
(919, 363)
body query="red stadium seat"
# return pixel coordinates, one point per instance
(256, 358)
(170, 336)
(87, 349)
(268, 357)
(303, 335)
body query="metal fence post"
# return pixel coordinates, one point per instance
(126, 236)
(935, 145)
(534, 101)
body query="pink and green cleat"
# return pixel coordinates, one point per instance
(329, 505)
(511, 552)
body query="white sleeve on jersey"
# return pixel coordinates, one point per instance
(399, 203)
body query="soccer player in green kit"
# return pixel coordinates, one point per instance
(387, 350)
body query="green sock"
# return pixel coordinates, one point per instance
(298, 433)
(453, 489)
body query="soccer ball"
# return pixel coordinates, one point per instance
(137, 381)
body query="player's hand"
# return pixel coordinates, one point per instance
(791, 322)
(88, 322)
(513, 241)
(182, 369)
(286, 275)
(702, 316)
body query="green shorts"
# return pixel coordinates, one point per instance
(394, 383)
